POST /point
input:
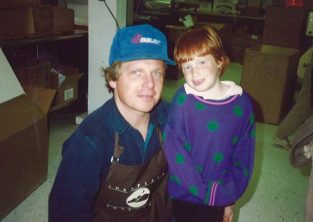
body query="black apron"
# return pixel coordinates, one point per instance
(134, 193)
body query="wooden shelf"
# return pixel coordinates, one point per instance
(195, 13)
(43, 39)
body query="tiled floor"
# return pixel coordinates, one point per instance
(276, 193)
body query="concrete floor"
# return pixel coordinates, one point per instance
(276, 192)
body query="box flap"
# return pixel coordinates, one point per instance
(304, 62)
(273, 49)
(18, 114)
(71, 79)
(9, 84)
(71, 74)
(42, 97)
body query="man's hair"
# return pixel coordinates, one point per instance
(111, 73)
(200, 42)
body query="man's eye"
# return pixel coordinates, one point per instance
(136, 73)
(158, 73)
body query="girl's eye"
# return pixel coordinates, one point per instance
(203, 62)
(187, 67)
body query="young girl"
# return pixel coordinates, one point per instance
(210, 135)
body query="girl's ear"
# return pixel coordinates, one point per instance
(220, 63)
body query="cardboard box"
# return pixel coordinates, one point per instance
(4, 4)
(284, 26)
(241, 40)
(63, 81)
(62, 20)
(254, 8)
(308, 4)
(25, 22)
(23, 144)
(269, 76)
(33, 75)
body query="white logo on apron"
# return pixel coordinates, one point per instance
(138, 198)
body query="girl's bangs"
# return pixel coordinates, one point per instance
(189, 48)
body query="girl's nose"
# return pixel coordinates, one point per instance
(194, 71)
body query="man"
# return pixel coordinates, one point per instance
(299, 113)
(302, 154)
(113, 168)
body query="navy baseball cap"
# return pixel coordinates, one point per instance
(139, 42)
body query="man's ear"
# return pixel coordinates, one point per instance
(112, 84)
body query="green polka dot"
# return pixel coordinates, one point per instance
(175, 179)
(199, 168)
(163, 136)
(213, 126)
(181, 99)
(253, 133)
(200, 106)
(246, 172)
(193, 190)
(220, 181)
(251, 118)
(180, 159)
(218, 157)
(238, 111)
(187, 146)
(234, 140)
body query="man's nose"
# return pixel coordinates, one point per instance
(148, 80)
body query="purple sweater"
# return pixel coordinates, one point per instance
(209, 145)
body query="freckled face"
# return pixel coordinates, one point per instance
(201, 73)
(139, 85)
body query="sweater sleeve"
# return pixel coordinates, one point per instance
(77, 181)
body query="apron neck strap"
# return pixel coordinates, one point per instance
(118, 150)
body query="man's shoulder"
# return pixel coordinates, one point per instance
(161, 110)
(97, 121)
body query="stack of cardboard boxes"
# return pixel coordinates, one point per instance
(29, 18)
(28, 93)
(23, 140)
(38, 78)
(269, 70)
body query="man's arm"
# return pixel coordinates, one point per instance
(77, 182)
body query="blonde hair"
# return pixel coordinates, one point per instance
(200, 42)
(111, 73)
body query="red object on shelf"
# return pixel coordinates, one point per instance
(294, 3)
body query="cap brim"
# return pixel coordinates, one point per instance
(139, 57)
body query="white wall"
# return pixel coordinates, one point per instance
(9, 84)
(102, 28)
